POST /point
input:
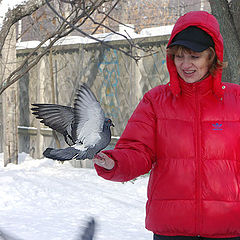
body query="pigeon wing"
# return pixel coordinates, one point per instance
(57, 117)
(89, 117)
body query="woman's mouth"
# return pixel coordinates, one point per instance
(188, 73)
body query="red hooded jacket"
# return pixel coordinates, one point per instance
(188, 135)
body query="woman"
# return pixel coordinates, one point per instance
(187, 133)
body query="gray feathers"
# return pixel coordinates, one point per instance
(83, 126)
(89, 230)
(88, 115)
(57, 117)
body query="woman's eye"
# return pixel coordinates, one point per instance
(194, 57)
(178, 56)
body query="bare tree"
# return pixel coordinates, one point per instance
(81, 12)
(227, 13)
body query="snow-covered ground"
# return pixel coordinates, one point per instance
(46, 200)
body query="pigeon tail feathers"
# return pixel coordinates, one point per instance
(69, 153)
(65, 154)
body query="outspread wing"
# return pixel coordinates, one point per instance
(89, 117)
(57, 117)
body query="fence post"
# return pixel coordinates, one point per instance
(40, 98)
(9, 101)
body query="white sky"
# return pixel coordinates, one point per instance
(47, 200)
(7, 4)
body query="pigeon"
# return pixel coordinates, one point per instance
(87, 233)
(84, 126)
(89, 230)
(6, 236)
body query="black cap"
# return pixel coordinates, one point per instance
(193, 38)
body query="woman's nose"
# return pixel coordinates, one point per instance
(186, 63)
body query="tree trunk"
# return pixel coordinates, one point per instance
(9, 101)
(221, 9)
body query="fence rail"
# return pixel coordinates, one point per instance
(44, 131)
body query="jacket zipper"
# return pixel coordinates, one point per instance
(198, 166)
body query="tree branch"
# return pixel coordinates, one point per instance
(16, 14)
(62, 31)
(136, 58)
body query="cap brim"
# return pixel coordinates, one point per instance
(196, 47)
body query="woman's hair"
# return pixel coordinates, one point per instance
(214, 62)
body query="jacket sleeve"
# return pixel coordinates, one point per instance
(134, 153)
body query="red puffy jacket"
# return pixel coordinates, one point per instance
(188, 135)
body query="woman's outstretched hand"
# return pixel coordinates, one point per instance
(104, 161)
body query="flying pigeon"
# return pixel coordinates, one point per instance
(84, 126)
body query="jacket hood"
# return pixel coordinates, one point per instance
(209, 24)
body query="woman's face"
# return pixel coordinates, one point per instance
(192, 66)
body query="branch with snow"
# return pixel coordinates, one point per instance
(12, 16)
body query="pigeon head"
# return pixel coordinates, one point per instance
(108, 122)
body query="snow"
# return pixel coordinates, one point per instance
(44, 199)
(106, 37)
(28, 44)
(157, 31)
